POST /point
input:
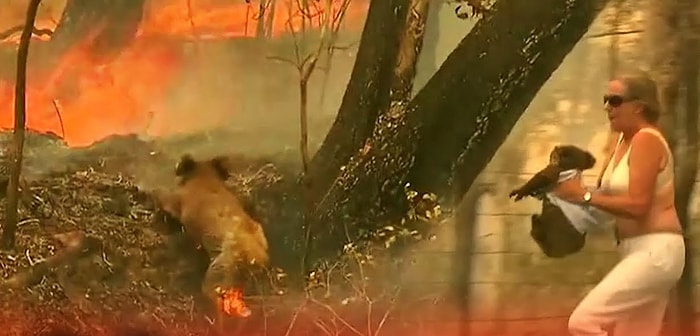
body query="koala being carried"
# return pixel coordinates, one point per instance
(560, 229)
(213, 217)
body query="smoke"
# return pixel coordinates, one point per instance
(226, 97)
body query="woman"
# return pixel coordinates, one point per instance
(637, 188)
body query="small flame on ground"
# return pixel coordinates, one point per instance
(231, 302)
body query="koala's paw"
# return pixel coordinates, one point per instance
(516, 195)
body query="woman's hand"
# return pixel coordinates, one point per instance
(570, 190)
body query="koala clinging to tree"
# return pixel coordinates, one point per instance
(560, 229)
(214, 218)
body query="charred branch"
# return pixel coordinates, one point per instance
(465, 117)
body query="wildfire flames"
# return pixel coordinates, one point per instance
(231, 302)
(83, 100)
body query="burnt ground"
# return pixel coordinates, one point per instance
(130, 272)
(94, 257)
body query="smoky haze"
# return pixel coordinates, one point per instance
(231, 87)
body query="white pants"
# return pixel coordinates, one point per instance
(633, 296)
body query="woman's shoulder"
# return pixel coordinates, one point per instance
(649, 135)
(651, 143)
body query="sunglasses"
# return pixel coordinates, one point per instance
(615, 100)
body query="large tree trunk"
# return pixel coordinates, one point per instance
(675, 65)
(382, 153)
(112, 23)
(484, 86)
(367, 93)
(665, 37)
(688, 164)
(466, 109)
(101, 27)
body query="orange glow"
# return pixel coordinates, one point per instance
(231, 302)
(97, 100)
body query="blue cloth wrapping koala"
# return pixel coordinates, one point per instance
(584, 218)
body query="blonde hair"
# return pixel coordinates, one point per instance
(642, 87)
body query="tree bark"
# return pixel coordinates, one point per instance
(483, 87)
(382, 154)
(665, 37)
(688, 164)
(11, 216)
(673, 27)
(367, 93)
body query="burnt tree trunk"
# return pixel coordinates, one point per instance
(483, 87)
(664, 35)
(102, 27)
(382, 150)
(465, 110)
(109, 25)
(672, 33)
(688, 165)
(367, 93)
(11, 216)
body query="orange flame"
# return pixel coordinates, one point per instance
(84, 100)
(231, 302)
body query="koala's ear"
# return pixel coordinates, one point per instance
(554, 155)
(590, 160)
(221, 166)
(186, 166)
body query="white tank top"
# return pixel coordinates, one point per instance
(615, 179)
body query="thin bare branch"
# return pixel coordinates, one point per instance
(17, 29)
(284, 60)
(57, 108)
